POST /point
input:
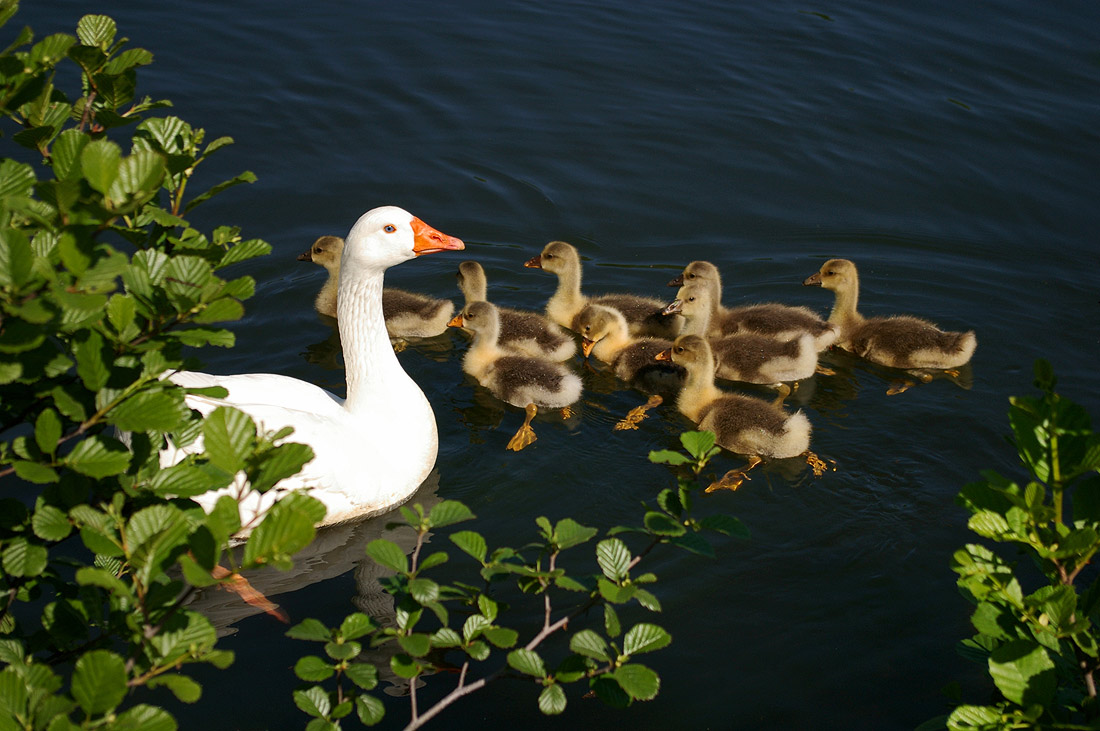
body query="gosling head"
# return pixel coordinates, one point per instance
(696, 271)
(556, 257)
(594, 323)
(835, 274)
(325, 251)
(688, 351)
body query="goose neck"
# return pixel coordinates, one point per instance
(371, 366)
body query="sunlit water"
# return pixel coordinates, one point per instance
(950, 151)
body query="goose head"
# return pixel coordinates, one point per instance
(594, 323)
(471, 281)
(383, 237)
(696, 271)
(835, 274)
(556, 257)
(326, 251)
(689, 351)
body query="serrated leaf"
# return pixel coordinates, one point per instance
(313, 701)
(369, 709)
(50, 523)
(528, 662)
(501, 637)
(149, 411)
(99, 681)
(569, 533)
(588, 643)
(694, 543)
(698, 443)
(645, 638)
(389, 554)
(663, 525)
(98, 456)
(424, 591)
(639, 682)
(47, 430)
(138, 177)
(287, 528)
(23, 558)
(613, 557)
(667, 456)
(473, 626)
(415, 644)
(434, 559)
(470, 542)
(362, 674)
(183, 687)
(313, 669)
(449, 512)
(228, 435)
(310, 629)
(611, 621)
(404, 666)
(355, 626)
(552, 700)
(1023, 672)
(99, 161)
(36, 472)
(96, 30)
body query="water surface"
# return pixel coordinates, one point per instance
(949, 150)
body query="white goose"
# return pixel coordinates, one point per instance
(372, 449)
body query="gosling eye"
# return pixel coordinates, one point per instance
(678, 349)
(389, 228)
(691, 299)
(691, 276)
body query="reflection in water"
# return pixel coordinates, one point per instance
(335, 551)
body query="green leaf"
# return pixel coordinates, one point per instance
(22, 558)
(527, 661)
(313, 669)
(474, 625)
(183, 687)
(472, 543)
(313, 701)
(694, 543)
(149, 411)
(667, 456)
(310, 629)
(99, 161)
(389, 554)
(725, 524)
(424, 591)
(552, 700)
(613, 557)
(138, 178)
(663, 525)
(362, 674)
(434, 559)
(638, 681)
(287, 528)
(698, 443)
(99, 681)
(228, 435)
(369, 709)
(645, 638)
(404, 666)
(449, 512)
(502, 637)
(415, 644)
(47, 430)
(93, 362)
(142, 717)
(98, 456)
(50, 523)
(355, 626)
(96, 30)
(569, 533)
(610, 692)
(1023, 672)
(611, 621)
(588, 643)
(35, 472)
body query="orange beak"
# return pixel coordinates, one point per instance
(456, 321)
(664, 355)
(586, 346)
(534, 262)
(426, 240)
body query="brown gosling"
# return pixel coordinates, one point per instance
(407, 314)
(901, 341)
(526, 333)
(779, 321)
(643, 314)
(744, 356)
(519, 380)
(744, 425)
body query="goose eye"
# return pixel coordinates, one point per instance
(389, 228)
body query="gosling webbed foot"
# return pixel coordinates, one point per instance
(638, 413)
(399, 344)
(818, 465)
(824, 371)
(733, 479)
(899, 387)
(525, 435)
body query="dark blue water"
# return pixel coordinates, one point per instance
(951, 150)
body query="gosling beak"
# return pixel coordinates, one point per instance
(535, 262)
(812, 280)
(677, 282)
(306, 255)
(426, 240)
(456, 321)
(673, 308)
(665, 354)
(586, 346)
